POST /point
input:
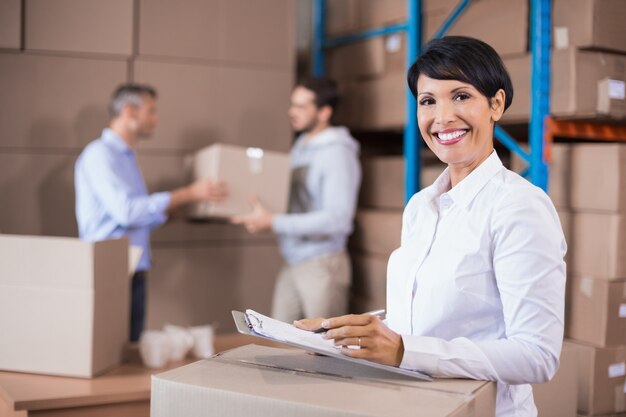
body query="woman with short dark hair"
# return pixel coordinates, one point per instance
(477, 287)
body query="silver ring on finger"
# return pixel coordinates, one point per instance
(359, 341)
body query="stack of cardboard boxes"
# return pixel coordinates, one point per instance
(588, 65)
(587, 188)
(587, 68)
(596, 299)
(372, 73)
(223, 70)
(64, 305)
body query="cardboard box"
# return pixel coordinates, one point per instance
(502, 24)
(197, 283)
(373, 13)
(377, 232)
(79, 26)
(600, 96)
(160, 23)
(596, 311)
(349, 16)
(577, 78)
(55, 102)
(597, 24)
(560, 175)
(213, 31)
(248, 172)
(179, 230)
(559, 397)
(601, 380)
(600, 242)
(214, 110)
(369, 282)
(359, 59)
(64, 304)
(347, 112)
(37, 194)
(265, 381)
(382, 186)
(341, 17)
(269, 35)
(595, 164)
(10, 24)
(382, 102)
(519, 71)
(369, 58)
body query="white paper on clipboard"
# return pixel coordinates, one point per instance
(256, 324)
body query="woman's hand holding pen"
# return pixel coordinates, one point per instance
(376, 341)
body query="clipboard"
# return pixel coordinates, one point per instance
(244, 327)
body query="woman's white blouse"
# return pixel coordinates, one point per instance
(477, 286)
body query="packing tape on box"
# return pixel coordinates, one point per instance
(622, 310)
(586, 286)
(255, 160)
(617, 370)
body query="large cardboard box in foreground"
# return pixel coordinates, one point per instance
(263, 381)
(247, 171)
(64, 304)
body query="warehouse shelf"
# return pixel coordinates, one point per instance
(581, 129)
(540, 82)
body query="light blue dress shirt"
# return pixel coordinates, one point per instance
(111, 196)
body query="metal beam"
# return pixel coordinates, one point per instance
(540, 89)
(412, 138)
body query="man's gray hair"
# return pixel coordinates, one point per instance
(129, 94)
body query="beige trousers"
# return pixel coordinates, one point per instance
(318, 287)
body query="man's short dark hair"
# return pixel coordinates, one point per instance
(463, 59)
(325, 90)
(129, 94)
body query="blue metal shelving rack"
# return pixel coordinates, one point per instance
(540, 17)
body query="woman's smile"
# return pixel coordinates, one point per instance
(450, 136)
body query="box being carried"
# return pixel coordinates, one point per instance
(247, 172)
(64, 304)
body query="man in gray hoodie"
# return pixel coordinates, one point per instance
(326, 175)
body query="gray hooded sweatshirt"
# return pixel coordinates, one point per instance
(326, 175)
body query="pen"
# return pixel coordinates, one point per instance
(377, 313)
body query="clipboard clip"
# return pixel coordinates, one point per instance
(253, 321)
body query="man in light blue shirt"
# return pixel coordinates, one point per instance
(111, 196)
